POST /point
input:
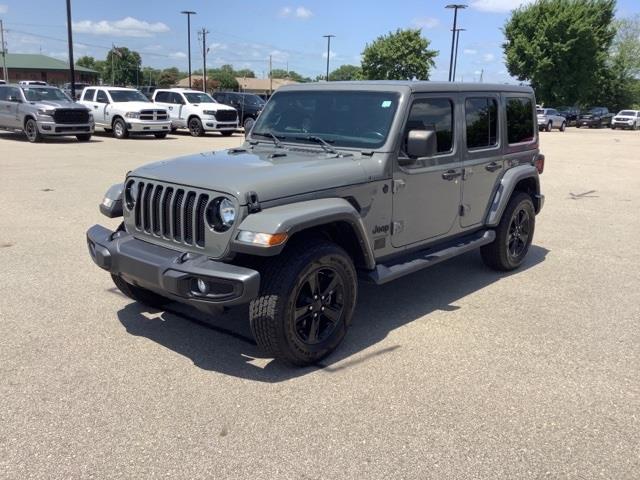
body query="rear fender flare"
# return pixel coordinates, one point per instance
(505, 190)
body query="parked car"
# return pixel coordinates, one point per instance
(248, 106)
(27, 83)
(549, 118)
(2, 82)
(595, 117)
(197, 111)
(43, 111)
(626, 119)
(570, 113)
(335, 182)
(79, 87)
(147, 91)
(125, 111)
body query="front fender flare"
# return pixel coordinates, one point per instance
(295, 217)
(506, 187)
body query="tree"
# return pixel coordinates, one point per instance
(399, 55)
(87, 62)
(168, 77)
(212, 84)
(346, 72)
(224, 76)
(122, 67)
(290, 75)
(560, 47)
(245, 73)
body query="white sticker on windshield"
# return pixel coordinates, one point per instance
(386, 104)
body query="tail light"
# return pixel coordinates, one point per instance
(539, 163)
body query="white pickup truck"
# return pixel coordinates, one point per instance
(197, 111)
(125, 111)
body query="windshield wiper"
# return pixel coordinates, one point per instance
(326, 146)
(276, 140)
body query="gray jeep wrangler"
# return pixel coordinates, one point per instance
(335, 183)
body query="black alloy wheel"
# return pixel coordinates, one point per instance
(519, 231)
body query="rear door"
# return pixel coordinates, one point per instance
(163, 99)
(88, 101)
(7, 108)
(101, 108)
(482, 155)
(426, 191)
(177, 109)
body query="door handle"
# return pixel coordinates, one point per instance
(493, 166)
(95, 107)
(170, 108)
(451, 175)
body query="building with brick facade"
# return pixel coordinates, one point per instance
(25, 66)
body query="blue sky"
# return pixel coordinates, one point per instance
(246, 33)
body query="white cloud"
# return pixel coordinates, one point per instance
(4, 8)
(332, 54)
(127, 27)
(297, 12)
(426, 22)
(178, 55)
(278, 56)
(469, 51)
(497, 6)
(489, 57)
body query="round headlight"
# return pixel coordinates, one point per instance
(221, 214)
(130, 194)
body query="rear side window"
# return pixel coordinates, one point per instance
(88, 95)
(162, 97)
(4, 93)
(481, 117)
(176, 98)
(435, 114)
(520, 120)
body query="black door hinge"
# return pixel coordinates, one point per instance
(253, 204)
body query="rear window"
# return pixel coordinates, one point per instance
(520, 120)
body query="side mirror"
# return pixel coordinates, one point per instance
(421, 143)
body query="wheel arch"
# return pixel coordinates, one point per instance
(523, 178)
(332, 218)
(117, 117)
(28, 117)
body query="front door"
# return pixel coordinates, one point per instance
(482, 155)
(427, 191)
(9, 108)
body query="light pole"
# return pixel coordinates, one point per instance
(72, 70)
(455, 7)
(188, 13)
(455, 57)
(328, 37)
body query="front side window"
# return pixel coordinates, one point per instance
(481, 116)
(127, 96)
(102, 97)
(342, 118)
(520, 120)
(176, 99)
(199, 97)
(40, 94)
(435, 114)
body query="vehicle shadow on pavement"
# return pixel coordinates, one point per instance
(224, 343)
(22, 138)
(103, 134)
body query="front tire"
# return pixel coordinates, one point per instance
(513, 235)
(31, 131)
(549, 126)
(139, 294)
(563, 127)
(160, 135)
(195, 127)
(120, 129)
(308, 295)
(226, 134)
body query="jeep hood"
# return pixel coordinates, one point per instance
(270, 177)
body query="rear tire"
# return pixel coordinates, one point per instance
(31, 131)
(513, 235)
(563, 127)
(120, 129)
(306, 303)
(549, 126)
(84, 137)
(139, 294)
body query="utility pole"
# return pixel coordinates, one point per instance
(481, 75)
(113, 71)
(188, 13)
(455, 58)
(328, 37)
(270, 77)
(72, 68)
(204, 59)
(455, 7)
(5, 73)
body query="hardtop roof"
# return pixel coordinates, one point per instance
(413, 86)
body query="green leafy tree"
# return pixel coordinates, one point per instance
(245, 73)
(399, 55)
(560, 47)
(291, 75)
(87, 62)
(122, 67)
(346, 72)
(224, 77)
(168, 77)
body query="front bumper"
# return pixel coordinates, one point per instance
(148, 126)
(588, 122)
(172, 273)
(53, 128)
(622, 123)
(211, 124)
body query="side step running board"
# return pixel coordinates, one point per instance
(419, 260)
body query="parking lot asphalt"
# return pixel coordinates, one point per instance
(453, 372)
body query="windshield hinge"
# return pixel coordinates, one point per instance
(398, 185)
(253, 204)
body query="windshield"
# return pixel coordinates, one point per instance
(199, 97)
(541, 111)
(627, 113)
(341, 118)
(127, 96)
(253, 100)
(40, 94)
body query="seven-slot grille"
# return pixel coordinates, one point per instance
(226, 115)
(153, 115)
(69, 116)
(171, 212)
